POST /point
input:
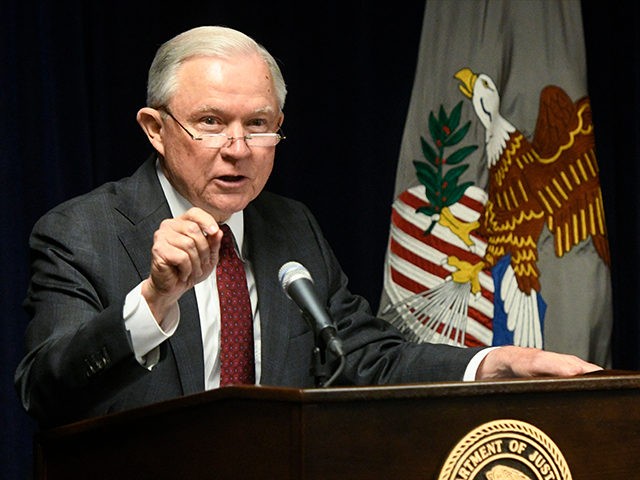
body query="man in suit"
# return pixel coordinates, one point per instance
(123, 295)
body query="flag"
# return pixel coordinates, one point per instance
(497, 231)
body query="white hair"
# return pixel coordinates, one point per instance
(216, 41)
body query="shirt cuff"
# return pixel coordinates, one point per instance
(144, 331)
(472, 366)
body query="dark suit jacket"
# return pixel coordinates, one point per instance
(89, 252)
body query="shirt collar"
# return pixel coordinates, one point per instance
(179, 205)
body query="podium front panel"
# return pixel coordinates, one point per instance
(368, 433)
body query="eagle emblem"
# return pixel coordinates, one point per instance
(548, 181)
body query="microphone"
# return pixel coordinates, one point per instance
(297, 284)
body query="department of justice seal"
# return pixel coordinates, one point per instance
(505, 450)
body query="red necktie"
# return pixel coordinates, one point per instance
(236, 327)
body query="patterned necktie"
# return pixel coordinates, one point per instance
(236, 328)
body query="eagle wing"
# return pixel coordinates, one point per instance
(513, 218)
(566, 179)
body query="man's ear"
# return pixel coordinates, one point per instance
(151, 122)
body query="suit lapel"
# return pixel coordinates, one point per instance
(268, 250)
(142, 202)
(187, 348)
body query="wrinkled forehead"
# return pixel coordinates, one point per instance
(236, 88)
(243, 74)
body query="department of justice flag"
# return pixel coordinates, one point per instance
(497, 231)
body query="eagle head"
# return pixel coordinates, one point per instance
(485, 97)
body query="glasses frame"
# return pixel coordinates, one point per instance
(247, 138)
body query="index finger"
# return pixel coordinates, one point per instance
(207, 223)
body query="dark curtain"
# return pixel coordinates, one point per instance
(613, 60)
(72, 77)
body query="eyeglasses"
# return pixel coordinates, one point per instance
(221, 140)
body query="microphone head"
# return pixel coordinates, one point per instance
(290, 272)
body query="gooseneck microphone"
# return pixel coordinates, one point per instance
(297, 284)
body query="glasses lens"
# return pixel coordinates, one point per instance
(219, 140)
(214, 140)
(262, 139)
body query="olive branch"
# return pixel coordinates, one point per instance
(442, 188)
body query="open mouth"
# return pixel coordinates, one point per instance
(231, 178)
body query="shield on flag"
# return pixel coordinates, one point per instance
(437, 287)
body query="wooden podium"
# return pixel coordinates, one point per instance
(395, 432)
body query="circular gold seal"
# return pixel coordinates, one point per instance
(505, 450)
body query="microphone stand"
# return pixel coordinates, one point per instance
(320, 368)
